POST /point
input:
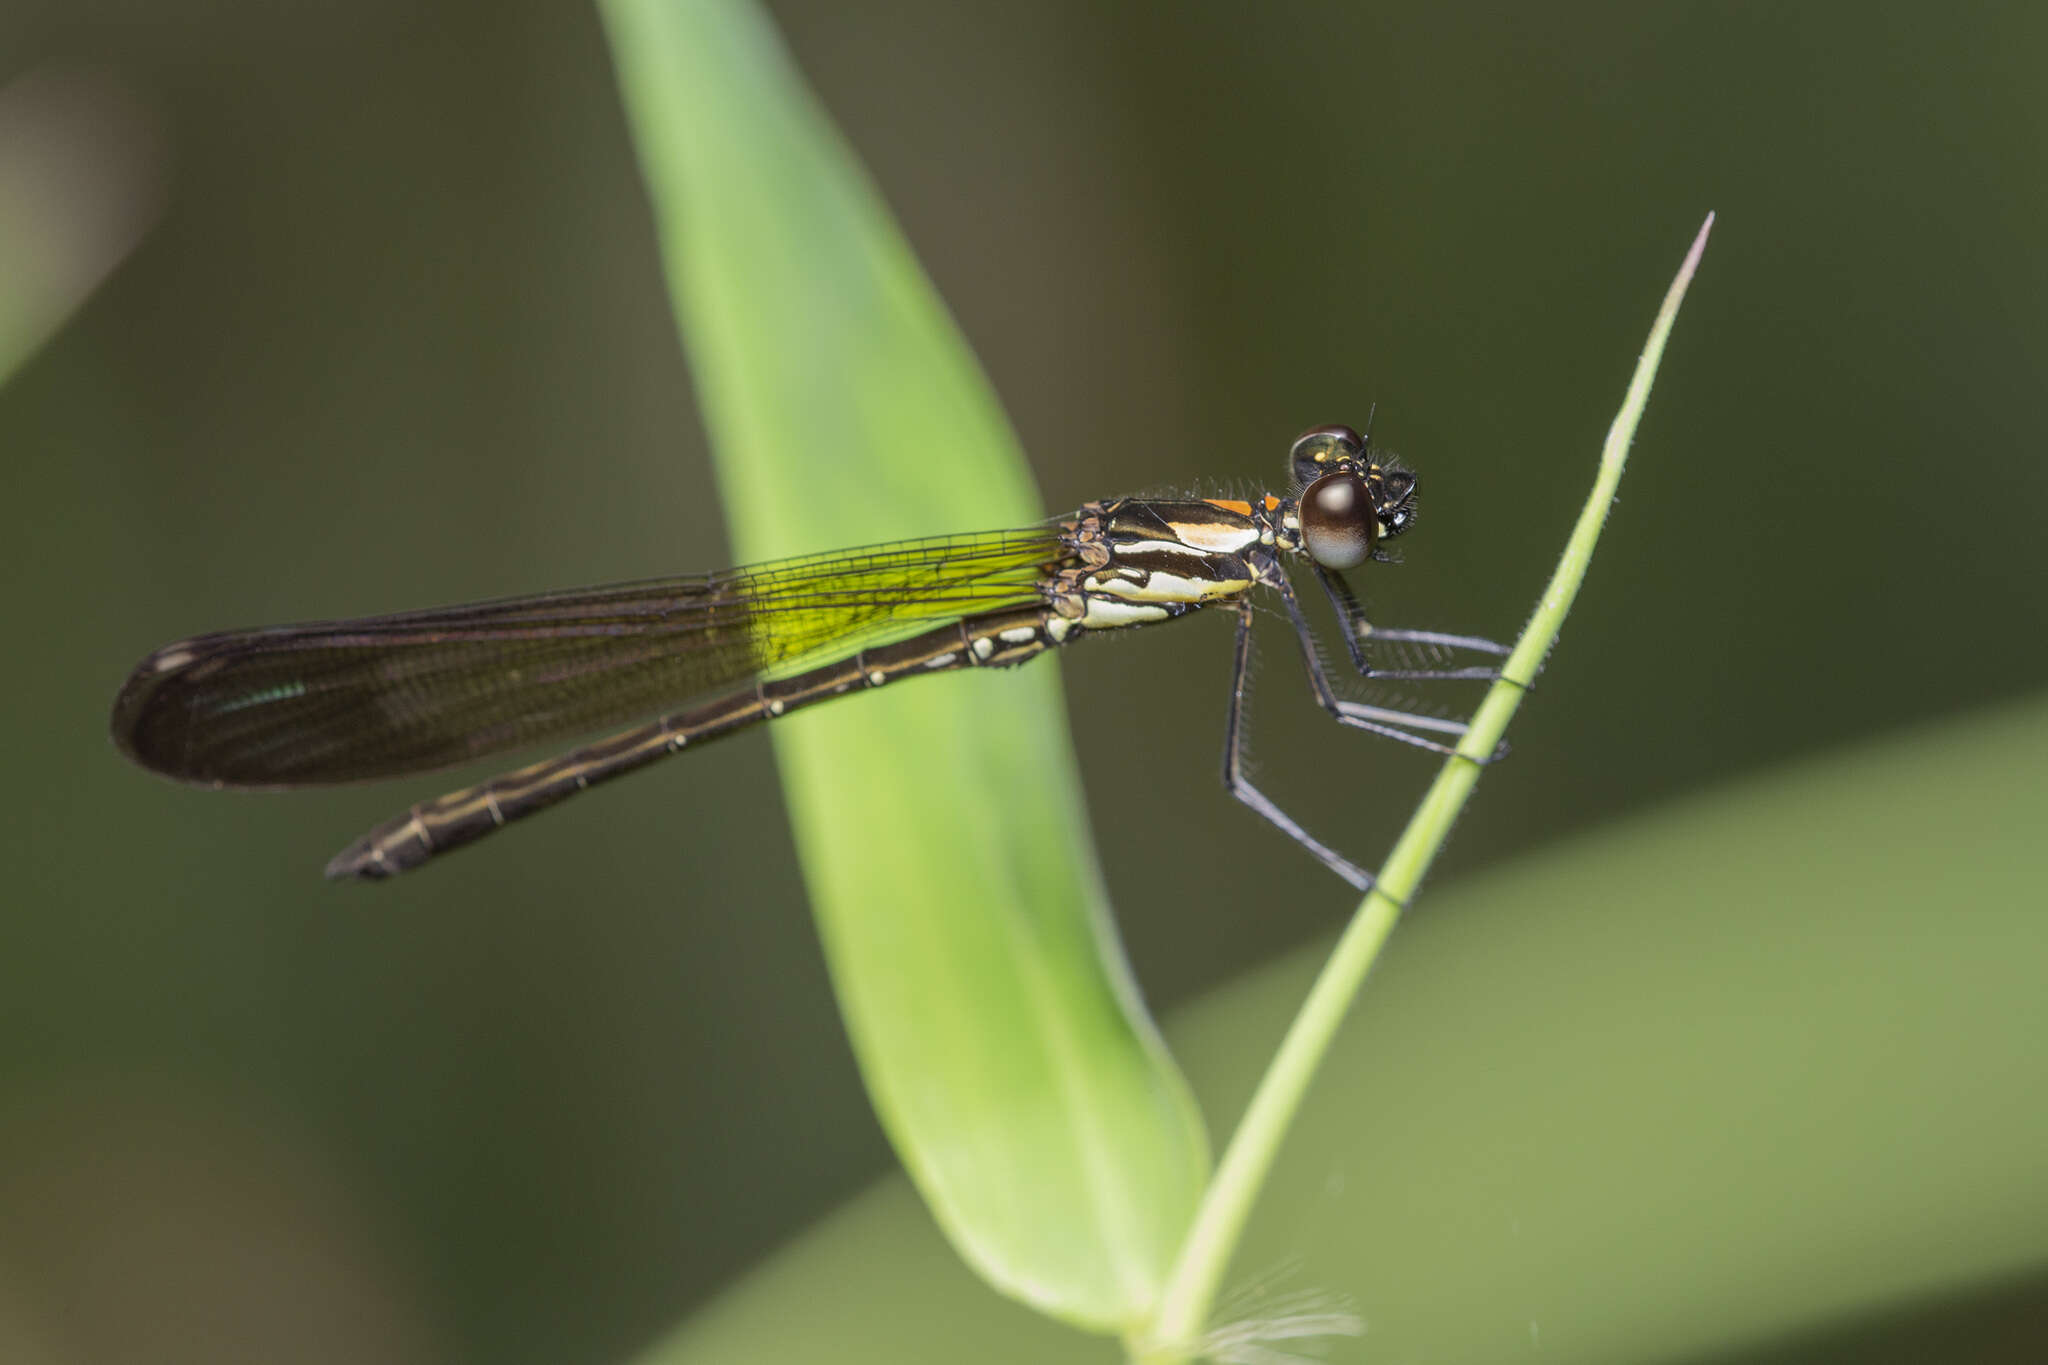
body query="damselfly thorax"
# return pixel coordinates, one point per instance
(384, 696)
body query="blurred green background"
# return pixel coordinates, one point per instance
(399, 337)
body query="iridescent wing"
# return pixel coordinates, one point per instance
(340, 701)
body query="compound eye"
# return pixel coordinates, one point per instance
(1338, 521)
(1317, 452)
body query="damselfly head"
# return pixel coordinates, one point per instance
(1350, 502)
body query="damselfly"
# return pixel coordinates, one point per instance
(386, 696)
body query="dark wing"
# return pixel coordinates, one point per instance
(339, 701)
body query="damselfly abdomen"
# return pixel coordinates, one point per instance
(387, 696)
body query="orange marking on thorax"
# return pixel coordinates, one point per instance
(1243, 509)
(1272, 503)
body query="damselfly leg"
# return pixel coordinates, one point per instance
(1387, 722)
(1241, 786)
(1379, 720)
(1358, 631)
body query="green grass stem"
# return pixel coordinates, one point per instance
(1176, 1330)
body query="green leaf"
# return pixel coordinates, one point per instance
(940, 825)
(1755, 1064)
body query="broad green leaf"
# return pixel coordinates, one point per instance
(940, 824)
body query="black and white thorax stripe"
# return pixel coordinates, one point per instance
(1142, 561)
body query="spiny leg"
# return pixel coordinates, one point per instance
(1240, 786)
(1357, 630)
(1379, 720)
